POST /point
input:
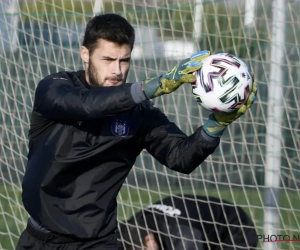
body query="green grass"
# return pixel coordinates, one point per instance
(13, 217)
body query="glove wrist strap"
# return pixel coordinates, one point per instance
(150, 87)
(213, 128)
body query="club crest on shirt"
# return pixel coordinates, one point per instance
(120, 127)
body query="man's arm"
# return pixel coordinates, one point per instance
(58, 99)
(171, 147)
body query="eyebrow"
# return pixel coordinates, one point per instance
(111, 58)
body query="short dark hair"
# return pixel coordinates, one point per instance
(111, 27)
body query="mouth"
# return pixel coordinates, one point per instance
(114, 81)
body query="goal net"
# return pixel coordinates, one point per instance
(257, 163)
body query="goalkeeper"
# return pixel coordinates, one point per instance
(87, 128)
(189, 222)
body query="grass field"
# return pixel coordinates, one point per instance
(13, 217)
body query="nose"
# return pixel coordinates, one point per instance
(116, 68)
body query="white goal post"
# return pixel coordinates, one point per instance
(257, 165)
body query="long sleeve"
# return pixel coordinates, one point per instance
(59, 99)
(171, 147)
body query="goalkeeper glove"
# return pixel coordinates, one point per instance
(218, 122)
(180, 74)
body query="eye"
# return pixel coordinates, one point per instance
(127, 60)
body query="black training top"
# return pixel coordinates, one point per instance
(84, 140)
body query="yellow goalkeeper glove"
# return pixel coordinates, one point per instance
(180, 74)
(218, 122)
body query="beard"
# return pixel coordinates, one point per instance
(92, 74)
(93, 79)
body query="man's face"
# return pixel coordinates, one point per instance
(150, 242)
(108, 65)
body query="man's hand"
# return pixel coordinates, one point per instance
(180, 74)
(218, 122)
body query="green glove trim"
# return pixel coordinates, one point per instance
(178, 75)
(226, 118)
(212, 127)
(150, 86)
(218, 122)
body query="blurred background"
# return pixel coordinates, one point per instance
(257, 164)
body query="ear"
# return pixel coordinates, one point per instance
(150, 241)
(84, 54)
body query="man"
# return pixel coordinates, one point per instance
(88, 127)
(188, 222)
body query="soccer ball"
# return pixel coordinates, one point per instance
(223, 83)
